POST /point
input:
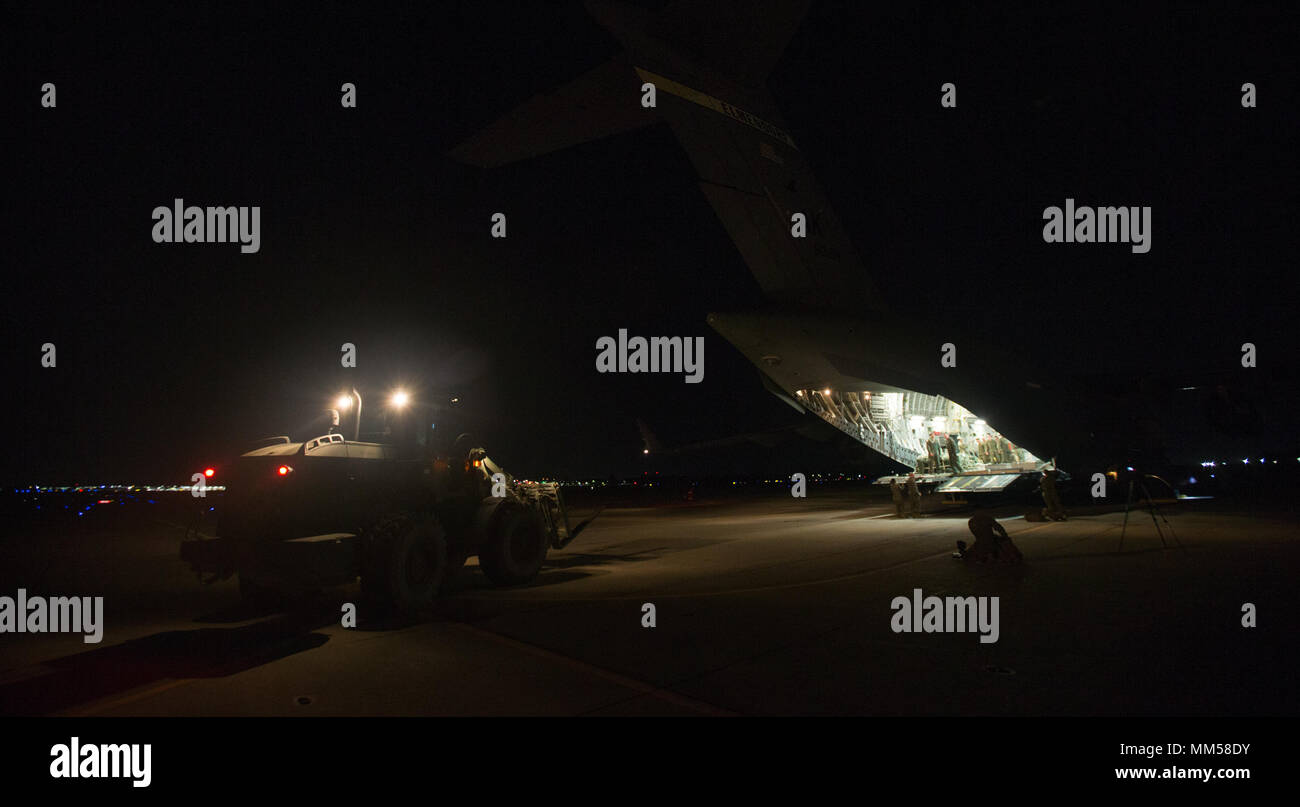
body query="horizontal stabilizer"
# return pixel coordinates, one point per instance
(601, 102)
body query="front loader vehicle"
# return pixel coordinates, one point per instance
(304, 516)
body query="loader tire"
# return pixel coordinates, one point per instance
(517, 548)
(406, 562)
(455, 562)
(256, 595)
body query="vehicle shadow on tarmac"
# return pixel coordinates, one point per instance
(80, 678)
(559, 568)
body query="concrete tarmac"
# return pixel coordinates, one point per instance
(766, 605)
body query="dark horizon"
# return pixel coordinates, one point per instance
(170, 355)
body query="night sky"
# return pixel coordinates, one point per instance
(170, 355)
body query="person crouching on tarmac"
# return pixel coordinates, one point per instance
(913, 496)
(896, 492)
(992, 544)
(1051, 498)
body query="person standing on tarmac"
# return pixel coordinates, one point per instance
(896, 491)
(1051, 499)
(913, 496)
